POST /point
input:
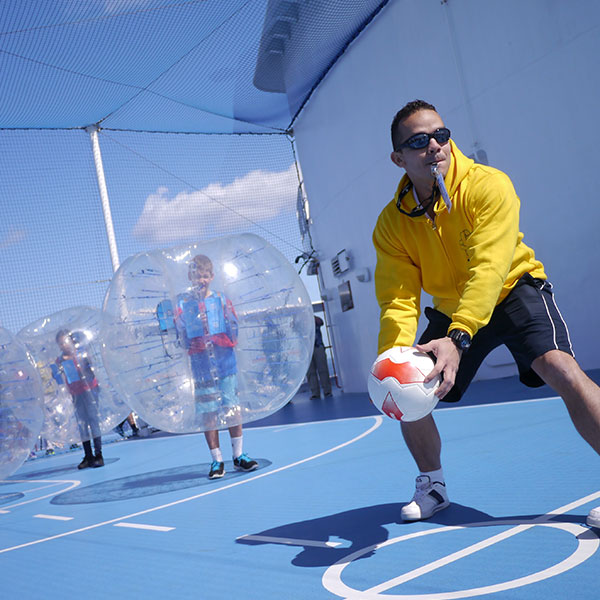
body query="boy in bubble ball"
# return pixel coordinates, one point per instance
(207, 328)
(73, 368)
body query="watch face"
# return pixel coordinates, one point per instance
(461, 338)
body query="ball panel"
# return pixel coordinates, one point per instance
(390, 408)
(404, 372)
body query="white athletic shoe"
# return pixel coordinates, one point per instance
(593, 519)
(428, 499)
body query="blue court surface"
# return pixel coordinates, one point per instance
(320, 518)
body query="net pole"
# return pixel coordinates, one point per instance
(321, 283)
(102, 189)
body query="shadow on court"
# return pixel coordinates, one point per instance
(457, 514)
(69, 469)
(11, 497)
(353, 530)
(150, 484)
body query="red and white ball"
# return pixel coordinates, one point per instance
(396, 385)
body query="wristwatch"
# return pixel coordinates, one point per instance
(461, 339)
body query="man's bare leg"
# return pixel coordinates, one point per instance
(424, 443)
(581, 397)
(579, 393)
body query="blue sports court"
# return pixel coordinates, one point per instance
(320, 517)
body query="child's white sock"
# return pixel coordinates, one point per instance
(236, 446)
(216, 454)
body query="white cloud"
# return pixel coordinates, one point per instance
(217, 209)
(12, 238)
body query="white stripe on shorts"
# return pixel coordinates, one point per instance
(561, 318)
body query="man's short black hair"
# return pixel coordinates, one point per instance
(407, 110)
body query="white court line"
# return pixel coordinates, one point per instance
(141, 526)
(447, 406)
(53, 517)
(505, 403)
(332, 577)
(74, 483)
(587, 544)
(280, 428)
(288, 541)
(377, 424)
(41, 487)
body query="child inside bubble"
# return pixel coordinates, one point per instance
(207, 327)
(73, 368)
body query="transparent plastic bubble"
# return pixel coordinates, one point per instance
(80, 402)
(209, 335)
(21, 412)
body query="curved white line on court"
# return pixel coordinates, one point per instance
(378, 422)
(588, 543)
(442, 409)
(74, 483)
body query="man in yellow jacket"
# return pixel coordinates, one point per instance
(459, 240)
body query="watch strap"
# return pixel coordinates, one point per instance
(461, 339)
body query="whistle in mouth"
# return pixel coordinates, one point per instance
(441, 186)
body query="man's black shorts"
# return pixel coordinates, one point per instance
(527, 321)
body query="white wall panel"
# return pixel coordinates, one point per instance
(519, 80)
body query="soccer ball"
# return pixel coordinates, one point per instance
(396, 385)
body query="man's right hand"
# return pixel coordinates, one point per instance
(447, 361)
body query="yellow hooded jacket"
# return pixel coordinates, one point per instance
(468, 260)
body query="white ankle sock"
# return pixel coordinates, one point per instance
(437, 475)
(216, 454)
(237, 445)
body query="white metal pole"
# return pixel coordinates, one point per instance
(108, 222)
(329, 324)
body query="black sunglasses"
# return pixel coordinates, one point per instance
(417, 211)
(421, 140)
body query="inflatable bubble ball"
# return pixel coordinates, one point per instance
(80, 402)
(207, 336)
(21, 412)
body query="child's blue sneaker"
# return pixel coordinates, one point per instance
(244, 463)
(217, 470)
